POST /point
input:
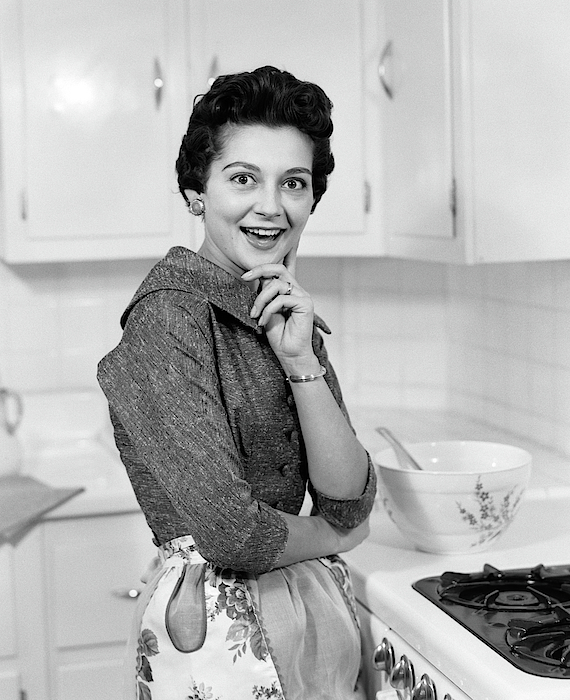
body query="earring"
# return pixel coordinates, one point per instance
(196, 207)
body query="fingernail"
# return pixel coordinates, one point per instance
(253, 311)
(247, 275)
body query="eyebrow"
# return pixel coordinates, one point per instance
(251, 166)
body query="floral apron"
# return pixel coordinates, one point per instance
(202, 633)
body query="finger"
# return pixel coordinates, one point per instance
(279, 305)
(271, 289)
(265, 272)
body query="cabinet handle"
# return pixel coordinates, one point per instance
(158, 83)
(128, 593)
(386, 53)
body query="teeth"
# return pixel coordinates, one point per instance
(263, 231)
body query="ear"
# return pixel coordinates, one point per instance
(189, 195)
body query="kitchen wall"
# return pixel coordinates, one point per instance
(509, 347)
(490, 341)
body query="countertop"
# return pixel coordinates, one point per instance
(93, 462)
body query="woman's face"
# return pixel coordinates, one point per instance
(258, 196)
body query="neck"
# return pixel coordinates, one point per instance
(206, 252)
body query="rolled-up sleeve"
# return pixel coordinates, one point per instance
(347, 512)
(162, 386)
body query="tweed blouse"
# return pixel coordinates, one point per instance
(205, 422)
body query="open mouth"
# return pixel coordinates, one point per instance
(262, 237)
(263, 233)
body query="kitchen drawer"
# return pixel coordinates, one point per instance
(91, 565)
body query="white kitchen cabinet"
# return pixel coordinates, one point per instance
(94, 99)
(476, 135)
(23, 654)
(10, 680)
(93, 104)
(92, 570)
(67, 597)
(332, 43)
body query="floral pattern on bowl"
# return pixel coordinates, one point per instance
(492, 519)
(463, 499)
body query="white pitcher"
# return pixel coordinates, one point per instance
(10, 416)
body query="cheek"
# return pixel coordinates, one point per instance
(300, 210)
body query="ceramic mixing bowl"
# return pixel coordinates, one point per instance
(465, 497)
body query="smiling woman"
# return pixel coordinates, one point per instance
(226, 410)
(258, 196)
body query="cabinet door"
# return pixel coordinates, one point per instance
(479, 99)
(520, 57)
(418, 145)
(10, 681)
(321, 41)
(93, 575)
(92, 111)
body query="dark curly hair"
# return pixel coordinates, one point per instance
(266, 96)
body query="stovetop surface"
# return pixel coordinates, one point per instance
(523, 614)
(386, 565)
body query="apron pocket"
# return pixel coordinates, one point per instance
(186, 610)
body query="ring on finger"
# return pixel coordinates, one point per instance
(289, 288)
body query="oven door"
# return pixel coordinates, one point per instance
(393, 670)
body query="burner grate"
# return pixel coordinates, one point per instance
(535, 590)
(522, 614)
(545, 640)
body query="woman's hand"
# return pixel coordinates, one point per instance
(349, 539)
(285, 310)
(312, 536)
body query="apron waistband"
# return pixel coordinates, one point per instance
(186, 546)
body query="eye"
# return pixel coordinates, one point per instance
(294, 184)
(243, 179)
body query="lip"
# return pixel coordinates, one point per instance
(263, 241)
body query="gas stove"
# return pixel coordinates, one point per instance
(523, 614)
(486, 626)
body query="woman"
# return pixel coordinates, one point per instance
(225, 409)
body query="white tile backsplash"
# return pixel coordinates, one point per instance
(489, 341)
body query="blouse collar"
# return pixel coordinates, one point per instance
(184, 270)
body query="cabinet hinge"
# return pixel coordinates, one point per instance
(367, 196)
(453, 198)
(24, 206)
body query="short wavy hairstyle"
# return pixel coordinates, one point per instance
(266, 96)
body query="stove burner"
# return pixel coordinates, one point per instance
(522, 614)
(536, 590)
(546, 640)
(516, 599)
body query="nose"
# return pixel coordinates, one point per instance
(269, 202)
